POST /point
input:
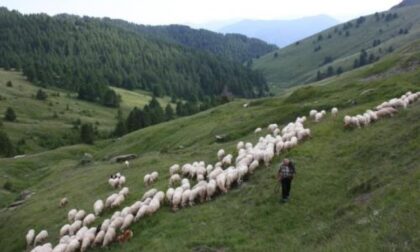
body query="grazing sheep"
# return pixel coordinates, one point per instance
(110, 200)
(146, 179)
(159, 196)
(211, 189)
(81, 233)
(174, 179)
(116, 223)
(64, 202)
(109, 237)
(87, 241)
(177, 198)
(64, 230)
(220, 154)
(127, 222)
(47, 247)
(60, 248)
(388, 111)
(240, 145)
(99, 237)
(124, 191)
(118, 201)
(71, 215)
(98, 207)
(30, 237)
(174, 169)
(334, 112)
(153, 206)
(154, 176)
(105, 224)
(185, 197)
(41, 237)
(80, 215)
(75, 226)
(127, 163)
(312, 113)
(227, 160)
(89, 219)
(257, 130)
(254, 165)
(149, 194)
(221, 182)
(318, 116)
(73, 246)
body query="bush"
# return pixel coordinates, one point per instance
(9, 84)
(6, 146)
(87, 133)
(41, 95)
(7, 186)
(10, 115)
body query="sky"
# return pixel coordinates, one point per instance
(202, 12)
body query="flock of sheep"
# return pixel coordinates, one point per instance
(209, 180)
(387, 108)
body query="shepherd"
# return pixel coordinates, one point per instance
(285, 176)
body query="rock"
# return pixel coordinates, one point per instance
(86, 159)
(123, 158)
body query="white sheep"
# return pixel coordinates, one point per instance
(127, 163)
(174, 179)
(127, 222)
(125, 191)
(334, 112)
(80, 215)
(30, 237)
(71, 215)
(312, 113)
(75, 226)
(98, 207)
(221, 182)
(211, 189)
(109, 237)
(149, 194)
(89, 219)
(174, 169)
(41, 237)
(99, 237)
(60, 248)
(118, 201)
(116, 223)
(88, 239)
(257, 130)
(64, 230)
(220, 154)
(110, 200)
(73, 246)
(153, 206)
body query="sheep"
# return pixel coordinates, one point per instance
(118, 201)
(257, 130)
(75, 226)
(159, 196)
(47, 247)
(73, 246)
(149, 194)
(312, 113)
(113, 182)
(71, 215)
(221, 182)
(65, 239)
(174, 169)
(169, 194)
(389, 111)
(127, 222)
(81, 232)
(177, 198)
(211, 188)
(174, 179)
(88, 239)
(135, 207)
(64, 230)
(215, 173)
(127, 164)
(110, 199)
(60, 248)
(318, 117)
(41, 237)
(141, 212)
(109, 237)
(121, 181)
(30, 237)
(220, 154)
(89, 219)
(153, 206)
(240, 145)
(334, 112)
(154, 176)
(105, 224)
(98, 207)
(80, 215)
(185, 197)
(227, 160)
(117, 223)
(272, 127)
(146, 180)
(63, 202)
(254, 165)
(99, 237)
(124, 191)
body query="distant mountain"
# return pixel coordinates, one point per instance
(281, 32)
(341, 48)
(405, 3)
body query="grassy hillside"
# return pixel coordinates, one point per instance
(46, 124)
(356, 190)
(300, 62)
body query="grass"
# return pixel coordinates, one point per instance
(42, 125)
(299, 64)
(356, 190)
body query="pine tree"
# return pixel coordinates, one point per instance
(120, 129)
(87, 133)
(169, 112)
(6, 146)
(41, 95)
(10, 115)
(111, 99)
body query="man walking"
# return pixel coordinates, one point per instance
(285, 176)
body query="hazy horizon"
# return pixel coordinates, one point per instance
(201, 14)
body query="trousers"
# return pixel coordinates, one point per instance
(286, 184)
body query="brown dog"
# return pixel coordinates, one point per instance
(125, 236)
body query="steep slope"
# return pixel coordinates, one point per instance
(281, 32)
(42, 125)
(88, 55)
(355, 190)
(234, 47)
(406, 3)
(339, 47)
